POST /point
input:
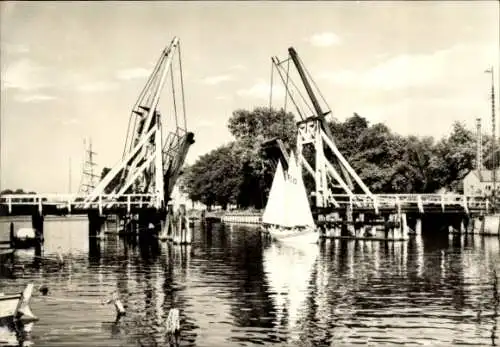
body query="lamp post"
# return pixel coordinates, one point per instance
(494, 138)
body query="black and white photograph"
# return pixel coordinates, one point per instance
(249, 173)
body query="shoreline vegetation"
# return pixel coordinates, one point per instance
(239, 174)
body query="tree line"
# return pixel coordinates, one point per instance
(240, 172)
(15, 192)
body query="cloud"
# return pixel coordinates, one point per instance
(262, 90)
(324, 39)
(133, 73)
(213, 80)
(97, 86)
(222, 97)
(14, 48)
(445, 67)
(237, 67)
(70, 121)
(26, 75)
(35, 98)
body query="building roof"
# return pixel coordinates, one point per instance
(486, 175)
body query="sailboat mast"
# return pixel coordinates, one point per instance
(69, 176)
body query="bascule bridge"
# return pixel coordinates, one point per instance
(339, 192)
(155, 148)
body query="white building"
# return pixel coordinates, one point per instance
(480, 182)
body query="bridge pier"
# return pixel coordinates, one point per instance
(37, 219)
(149, 222)
(477, 225)
(169, 226)
(350, 221)
(458, 224)
(491, 225)
(182, 230)
(95, 223)
(418, 226)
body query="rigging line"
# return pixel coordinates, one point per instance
(83, 166)
(182, 87)
(140, 99)
(286, 94)
(173, 96)
(315, 85)
(301, 96)
(286, 90)
(287, 81)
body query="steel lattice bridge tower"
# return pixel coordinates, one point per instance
(151, 162)
(330, 170)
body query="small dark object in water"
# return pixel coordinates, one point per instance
(44, 289)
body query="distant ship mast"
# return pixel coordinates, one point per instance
(89, 178)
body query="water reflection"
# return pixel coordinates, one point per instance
(232, 287)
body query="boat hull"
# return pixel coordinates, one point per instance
(307, 236)
(8, 305)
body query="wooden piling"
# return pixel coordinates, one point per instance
(418, 226)
(404, 230)
(37, 219)
(95, 223)
(350, 219)
(491, 225)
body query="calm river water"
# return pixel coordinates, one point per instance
(234, 289)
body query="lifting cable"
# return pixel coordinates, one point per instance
(182, 88)
(299, 108)
(315, 85)
(173, 96)
(286, 93)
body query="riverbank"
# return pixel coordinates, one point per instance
(235, 216)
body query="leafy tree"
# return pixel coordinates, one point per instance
(455, 156)
(17, 192)
(215, 177)
(251, 129)
(386, 162)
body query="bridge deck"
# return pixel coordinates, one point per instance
(57, 204)
(422, 203)
(129, 203)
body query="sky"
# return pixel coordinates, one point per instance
(74, 70)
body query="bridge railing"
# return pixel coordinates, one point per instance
(76, 201)
(420, 201)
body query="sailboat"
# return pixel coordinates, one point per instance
(287, 216)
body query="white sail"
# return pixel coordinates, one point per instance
(298, 208)
(275, 212)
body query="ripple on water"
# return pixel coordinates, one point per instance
(232, 288)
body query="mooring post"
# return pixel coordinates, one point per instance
(12, 236)
(491, 224)
(350, 220)
(170, 222)
(95, 222)
(404, 226)
(176, 237)
(182, 223)
(463, 228)
(37, 222)
(386, 225)
(418, 226)
(397, 226)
